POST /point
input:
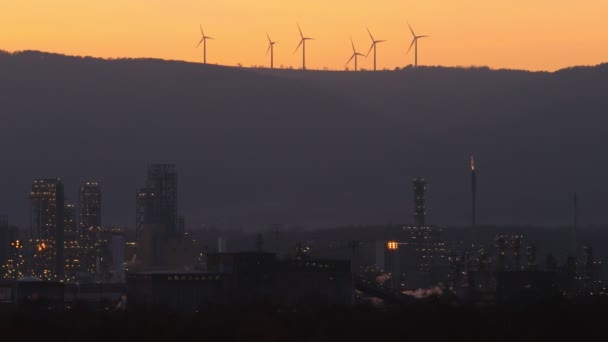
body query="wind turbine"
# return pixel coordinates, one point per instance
(355, 54)
(374, 42)
(415, 41)
(271, 50)
(303, 45)
(204, 41)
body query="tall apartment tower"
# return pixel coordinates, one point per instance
(70, 229)
(47, 222)
(145, 209)
(419, 202)
(89, 201)
(157, 202)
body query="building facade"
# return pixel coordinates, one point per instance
(47, 227)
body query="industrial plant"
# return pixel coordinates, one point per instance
(68, 256)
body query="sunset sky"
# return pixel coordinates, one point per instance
(519, 34)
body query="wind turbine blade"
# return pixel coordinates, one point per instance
(353, 44)
(296, 50)
(413, 41)
(299, 29)
(351, 58)
(370, 34)
(380, 41)
(270, 41)
(422, 36)
(359, 54)
(370, 49)
(201, 26)
(199, 43)
(267, 51)
(210, 38)
(411, 30)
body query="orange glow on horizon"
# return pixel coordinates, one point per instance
(518, 34)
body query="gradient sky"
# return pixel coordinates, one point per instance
(520, 34)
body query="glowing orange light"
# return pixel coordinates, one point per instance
(392, 245)
(472, 163)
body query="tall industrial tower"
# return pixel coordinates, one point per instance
(473, 200)
(473, 193)
(47, 226)
(419, 202)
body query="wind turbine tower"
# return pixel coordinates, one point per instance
(354, 55)
(415, 42)
(271, 50)
(303, 40)
(374, 43)
(204, 42)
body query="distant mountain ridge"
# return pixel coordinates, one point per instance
(316, 148)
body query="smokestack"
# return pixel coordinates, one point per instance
(473, 196)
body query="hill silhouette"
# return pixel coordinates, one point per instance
(257, 146)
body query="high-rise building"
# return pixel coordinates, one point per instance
(145, 209)
(163, 179)
(157, 202)
(70, 230)
(15, 265)
(47, 227)
(89, 200)
(90, 209)
(419, 202)
(161, 241)
(71, 248)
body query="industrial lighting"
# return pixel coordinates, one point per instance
(392, 245)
